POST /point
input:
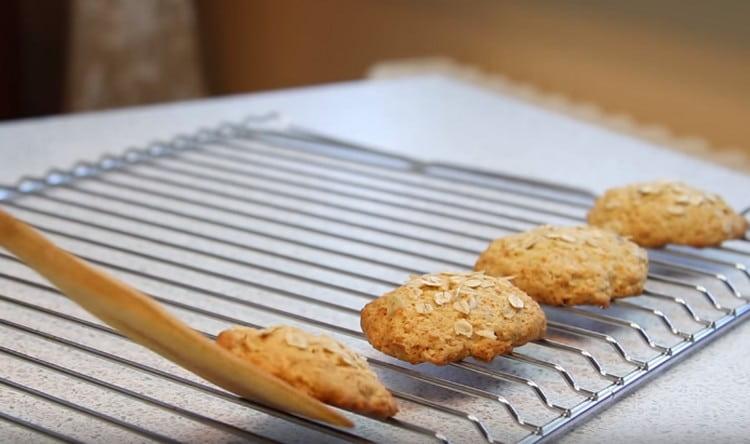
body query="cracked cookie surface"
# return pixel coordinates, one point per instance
(568, 265)
(654, 214)
(445, 317)
(318, 365)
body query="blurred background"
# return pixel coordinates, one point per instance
(682, 65)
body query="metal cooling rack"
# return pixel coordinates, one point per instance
(258, 224)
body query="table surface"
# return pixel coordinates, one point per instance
(436, 118)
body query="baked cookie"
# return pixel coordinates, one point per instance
(568, 265)
(654, 214)
(445, 317)
(317, 365)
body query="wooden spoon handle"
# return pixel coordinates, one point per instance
(145, 321)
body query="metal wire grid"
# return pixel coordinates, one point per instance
(253, 226)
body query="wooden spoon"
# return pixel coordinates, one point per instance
(146, 322)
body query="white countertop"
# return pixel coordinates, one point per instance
(433, 118)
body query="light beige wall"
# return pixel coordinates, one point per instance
(682, 64)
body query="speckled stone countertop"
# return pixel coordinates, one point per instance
(433, 118)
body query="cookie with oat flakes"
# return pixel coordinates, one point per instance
(568, 265)
(446, 317)
(657, 213)
(318, 365)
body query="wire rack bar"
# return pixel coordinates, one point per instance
(244, 434)
(374, 175)
(78, 408)
(38, 429)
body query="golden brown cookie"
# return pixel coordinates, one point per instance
(446, 317)
(657, 213)
(317, 365)
(568, 265)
